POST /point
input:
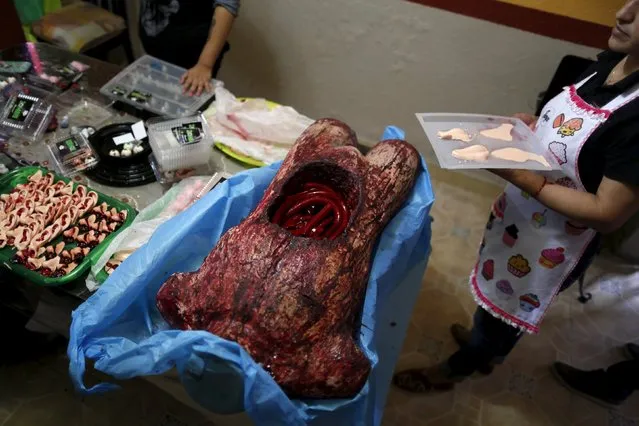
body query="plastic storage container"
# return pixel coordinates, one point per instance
(26, 116)
(31, 85)
(473, 124)
(173, 176)
(72, 154)
(180, 143)
(154, 85)
(86, 112)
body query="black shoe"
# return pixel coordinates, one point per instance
(592, 385)
(631, 351)
(462, 336)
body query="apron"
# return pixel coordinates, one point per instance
(528, 250)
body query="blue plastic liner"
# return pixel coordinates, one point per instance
(120, 328)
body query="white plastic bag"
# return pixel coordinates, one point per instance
(178, 198)
(254, 127)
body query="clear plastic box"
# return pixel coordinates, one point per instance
(72, 154)
(473, 124)
(154, 85)
(86, 112)
(31, 85)
(172, 176)
(27, 116)
(180, 143)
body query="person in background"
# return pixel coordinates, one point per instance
(545, 229)
(609, 387)
(189, 33)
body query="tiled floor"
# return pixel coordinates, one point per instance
(521, 392)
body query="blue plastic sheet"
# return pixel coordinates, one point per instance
(120, 328)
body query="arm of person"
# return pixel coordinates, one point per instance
(198, 78)
(606, 211)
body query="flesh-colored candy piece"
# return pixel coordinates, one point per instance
(502, 133)
(455, 134)
(52, 264)
(36, 262)
(22, 237)
(518, 156)
(36, 176)
(472, 153)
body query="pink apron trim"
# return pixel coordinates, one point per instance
(574, 97)
(496, 311)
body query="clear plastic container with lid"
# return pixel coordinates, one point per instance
(180, 143)
(72, 154)
(26, 116)
(154, 85)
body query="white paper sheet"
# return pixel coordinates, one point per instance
(122, 139)
(139, 132)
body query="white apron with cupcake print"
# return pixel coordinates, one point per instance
(528, 250)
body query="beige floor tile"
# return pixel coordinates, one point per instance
(422, 408)
(599, 418)
(560, 405)
(469, 400)
(533, 355)
(631, 408)
(25, 382)
(57, 409)
(508, 409)
(453, 419)
(411, 360)
(467, 413)
(484, 387)
(435, 311)
(412, 339)
(396, 417)
(390, 416)
(454, 258)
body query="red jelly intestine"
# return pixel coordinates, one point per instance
(318, 212)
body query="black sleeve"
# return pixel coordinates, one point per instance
(622, 154)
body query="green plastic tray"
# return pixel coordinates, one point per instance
(102, 276)
(239, 157)
(21, 175)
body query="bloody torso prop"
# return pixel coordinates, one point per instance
(288, 283)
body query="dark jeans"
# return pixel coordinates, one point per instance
(492, 339)
(180, 45)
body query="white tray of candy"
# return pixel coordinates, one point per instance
(154, 85)
(474, 141)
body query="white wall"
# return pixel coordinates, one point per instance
(376, 62)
